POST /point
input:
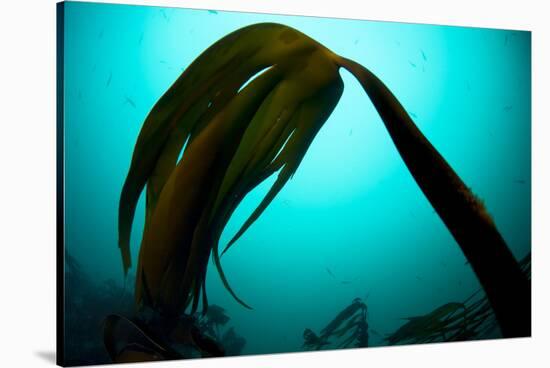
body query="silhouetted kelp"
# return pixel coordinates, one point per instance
(97, 331)
(248, 107)
(349, 327)
(429, 327)
(472, 319)
(149, 336)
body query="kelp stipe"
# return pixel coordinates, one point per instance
(507, 288)
(238, 137)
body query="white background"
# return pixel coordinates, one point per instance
(27, 182)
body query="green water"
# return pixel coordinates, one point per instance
(352, 207)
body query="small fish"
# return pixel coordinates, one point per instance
(507, 108)
(164, 15)
(128, 100)
(418, 278)
(347, 282)
(413, 114)
(412, 64)
(423, 55)
(213, 12)
(397, 43)
(100, 35)
(350, 132)
(109, 79)
(141, 38)
(163, 62)
(356, 42)
(505, 39)
(519, 181)
(330, 273)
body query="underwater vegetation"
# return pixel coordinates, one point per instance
(349, 327)
(85, 309)
(95, 339)
(438, 324)
(471, 319)
(148, 338)
(214, 324)
(247, 108)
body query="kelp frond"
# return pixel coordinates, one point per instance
(236, 137)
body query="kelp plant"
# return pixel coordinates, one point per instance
(471, 319)
(248, 107)
(350, 326)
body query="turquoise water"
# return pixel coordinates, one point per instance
(352, 206)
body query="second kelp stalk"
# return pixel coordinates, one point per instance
(236, 130)
(507, 288)
(471, 319)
